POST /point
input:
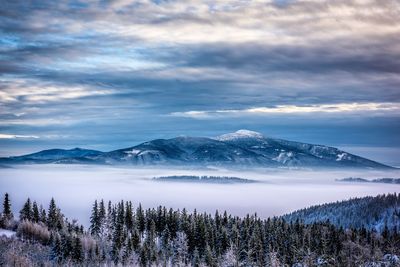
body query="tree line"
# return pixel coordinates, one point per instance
(124, 234)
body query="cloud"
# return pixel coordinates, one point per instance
(111, 70)
(367, 109)
(31, 91)
(16, 136)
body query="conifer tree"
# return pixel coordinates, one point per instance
(56, 250)
(165, 240)
(209, 257)
(77, 250)
(26, 211)
(35, 212)
(43, 216)
(118, 234)
(196, 258)
(128, 216)
(7, 213)
(102, 213)
(135, 240)
(180, 249)
(52, 215)
(95, 220)
(140, 219)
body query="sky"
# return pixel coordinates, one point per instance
(111, 74)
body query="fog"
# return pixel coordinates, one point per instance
(75, 187)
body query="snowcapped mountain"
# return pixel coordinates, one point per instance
(241, 134)
(187, 150)
(243, 148)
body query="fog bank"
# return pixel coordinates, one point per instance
(75, 187)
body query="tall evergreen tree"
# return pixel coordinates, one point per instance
(54, 217)
(43, 216)
(95, 222)
(26, 211)
(77, 250)
(56, 249)
(140, 219)
(180, 249)
(35, 212)
(7, 213)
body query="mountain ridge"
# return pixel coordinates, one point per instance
(371, 212)
(242, 148)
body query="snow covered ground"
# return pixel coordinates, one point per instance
(75, 187)
(7, 233)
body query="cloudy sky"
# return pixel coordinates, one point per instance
(109, 74)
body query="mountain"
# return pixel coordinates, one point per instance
(296, 154)
(243, 148)
(56, 156)
(368, 212)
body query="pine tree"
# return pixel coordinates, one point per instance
(95, 223)
(118, 234)
(56, 250)
(129, 216)
(135, 240)
(77, 250)
(66, 245)
(7, 213)
(256, 250)
(43, 216)
(150, 244)
(209, 257)
(144, 252)
(26, 211)
(196, 258)
(53, 217)
(102, 217)
(165, 241)
(229, 259)
(35, 212)
(180, 249)
(140, 219)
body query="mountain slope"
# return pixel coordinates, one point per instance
(188, 150)
(243, 148)
(368, 212)
(290, 153)
(56, 156)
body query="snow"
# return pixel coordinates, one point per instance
(284, 157)
(7, 233)
(240, 135)
(341, 156)
(132, 152)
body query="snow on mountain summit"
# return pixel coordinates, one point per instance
(241, 134)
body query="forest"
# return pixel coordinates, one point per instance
(121, 234)
(370, 212)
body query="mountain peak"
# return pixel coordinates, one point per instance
(240, 134)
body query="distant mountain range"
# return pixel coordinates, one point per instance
(205, 179)
(240, 149)
(363, 180)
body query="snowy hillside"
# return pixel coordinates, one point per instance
(369, 212)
